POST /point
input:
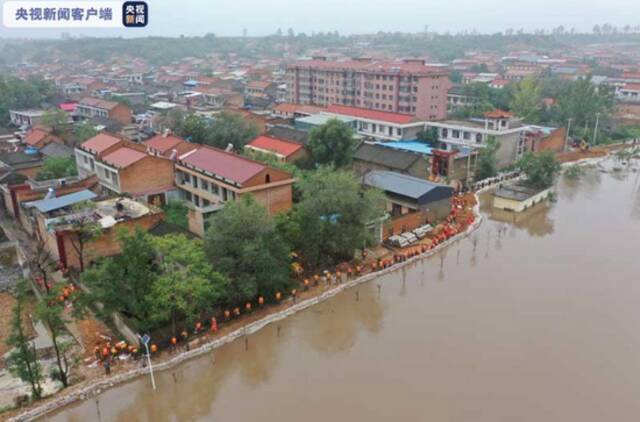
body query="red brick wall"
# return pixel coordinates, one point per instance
(107, 244)
(147, 175)
(121, 113)
(275, 199)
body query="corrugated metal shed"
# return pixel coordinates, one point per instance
(47, 205)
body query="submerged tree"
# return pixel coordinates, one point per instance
(541, 169)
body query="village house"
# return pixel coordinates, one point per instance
(17, 189)
(379, 125)
(29, 118)
(411, 201)
(94, 107)
(168, 145)
(282, 149)
(39, 137)
(509, 132)
(25, 163)
(370, 157)
(123, 167)
(55, 220)
(208, 177)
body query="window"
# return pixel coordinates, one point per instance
(456, 133)
(478, 138)
(215, 189)
(445, 133)
(267, 179)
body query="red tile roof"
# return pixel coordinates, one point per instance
(365, 113)
(279, 146)
(123, 157)
(99, 103)
(35, 136)
(164, 144)
(224, 164)
(100, 142)
(68, 107)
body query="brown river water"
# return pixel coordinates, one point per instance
(532, 318)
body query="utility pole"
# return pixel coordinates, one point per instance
(566, 135)
(595, 129)
(145, 340)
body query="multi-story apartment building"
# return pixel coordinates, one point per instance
(409, 86)
(207, 178)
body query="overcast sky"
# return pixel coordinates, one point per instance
(262, 17)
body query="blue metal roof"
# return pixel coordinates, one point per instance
(413, 146)
(47, 205)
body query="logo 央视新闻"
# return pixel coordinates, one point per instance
(135, 14)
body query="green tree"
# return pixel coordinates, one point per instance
(195, 128)
(57, 120)
(57, 168)
(332, 143)
(187, 286)
(176, 212)
(83, 132)
(124, 283)
(51, 312)
(527, 100)
(541, 169)
(243, 244)
(22, 360)
(429, 136)
(581, 101)
(231, 128)
(487, 162)
(330, 222)
(20, 94)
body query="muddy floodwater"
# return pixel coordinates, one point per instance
(535, 317)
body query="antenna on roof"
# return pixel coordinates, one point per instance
(229, 147)
(166, 132)
(174, 154)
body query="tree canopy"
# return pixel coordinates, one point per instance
(57, 168)
(332, 144)
(487, 162)
(242, 243)
(527, 100)
(226, 128)
(541, 169)
(330, 222)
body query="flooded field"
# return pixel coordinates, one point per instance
(535, 317)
